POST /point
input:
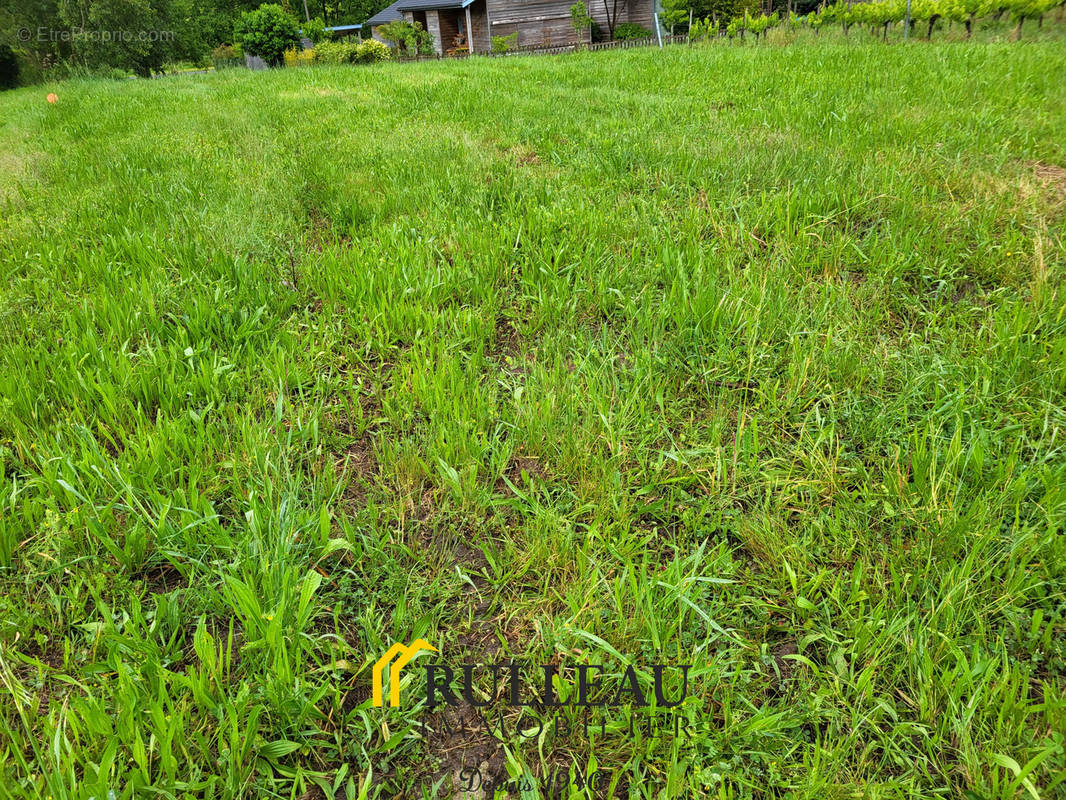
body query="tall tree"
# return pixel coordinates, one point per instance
(124, 34)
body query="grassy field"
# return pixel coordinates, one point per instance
(747, 358)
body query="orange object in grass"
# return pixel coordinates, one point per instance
(52, 97)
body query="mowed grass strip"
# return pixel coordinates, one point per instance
(747, 358)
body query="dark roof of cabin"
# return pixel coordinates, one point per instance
(390, 14)
(429, 5)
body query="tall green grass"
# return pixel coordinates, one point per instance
(749, 358)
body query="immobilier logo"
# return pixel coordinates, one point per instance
(517, 701)
(590, 686)
(405, 653)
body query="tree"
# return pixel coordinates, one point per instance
(133, 35)
(1021, 10)
(346, 12)
(580, 20)
(676, 12)
(610, 9)
(9, 68)
(268, 32)
(410, 38)
(315, 30)
(974, 9)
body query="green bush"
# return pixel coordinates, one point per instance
(703, 29)
(315, 30)
(226, 55)
(631, 30)
(9, 68)
(372, 51)
(580, 20)
(343, 52)
(348, 52)
(505, 44)
(410, 38)
(268, 32)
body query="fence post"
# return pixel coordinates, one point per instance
(658, 30)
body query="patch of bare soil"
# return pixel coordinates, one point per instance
(471, 559)
(782, 666)
(506, 346)
(465, 756)
(358, 458)
(528, 158)
(518, 467)
(320, 230)
(1051, 176)
(219, 629)
(469, 757)
(50, 653)
(163, 578)
(356, 695)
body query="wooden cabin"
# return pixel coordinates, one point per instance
(470, 25)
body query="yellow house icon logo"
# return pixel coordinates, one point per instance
(405, 653)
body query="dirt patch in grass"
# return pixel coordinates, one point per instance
(219, 629)
(480, 643)
(356, 695)
(1051, 176)
(470, 558)
(49, 653)
(526, 157)
(460, 742)
(321, 232)
(782, 667)
(506, 346)
(358, 458)
(518, 468)
(163, 578)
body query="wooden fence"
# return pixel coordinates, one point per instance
(551, 50)
(618, 44)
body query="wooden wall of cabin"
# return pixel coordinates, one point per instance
(480, 24)
(638, 11)
(538, 22)
(448, 25)
(544, 23)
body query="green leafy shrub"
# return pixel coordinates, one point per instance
(343, 52)
(703, 29)
(347, 52)
(268, 32)
(505, 44)
(227, 55)
(315, 30)
(410, 38)
(9, 68)
(298, 57)
(372, 51)
(761, 24)
(580, 20)
(631, 30)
